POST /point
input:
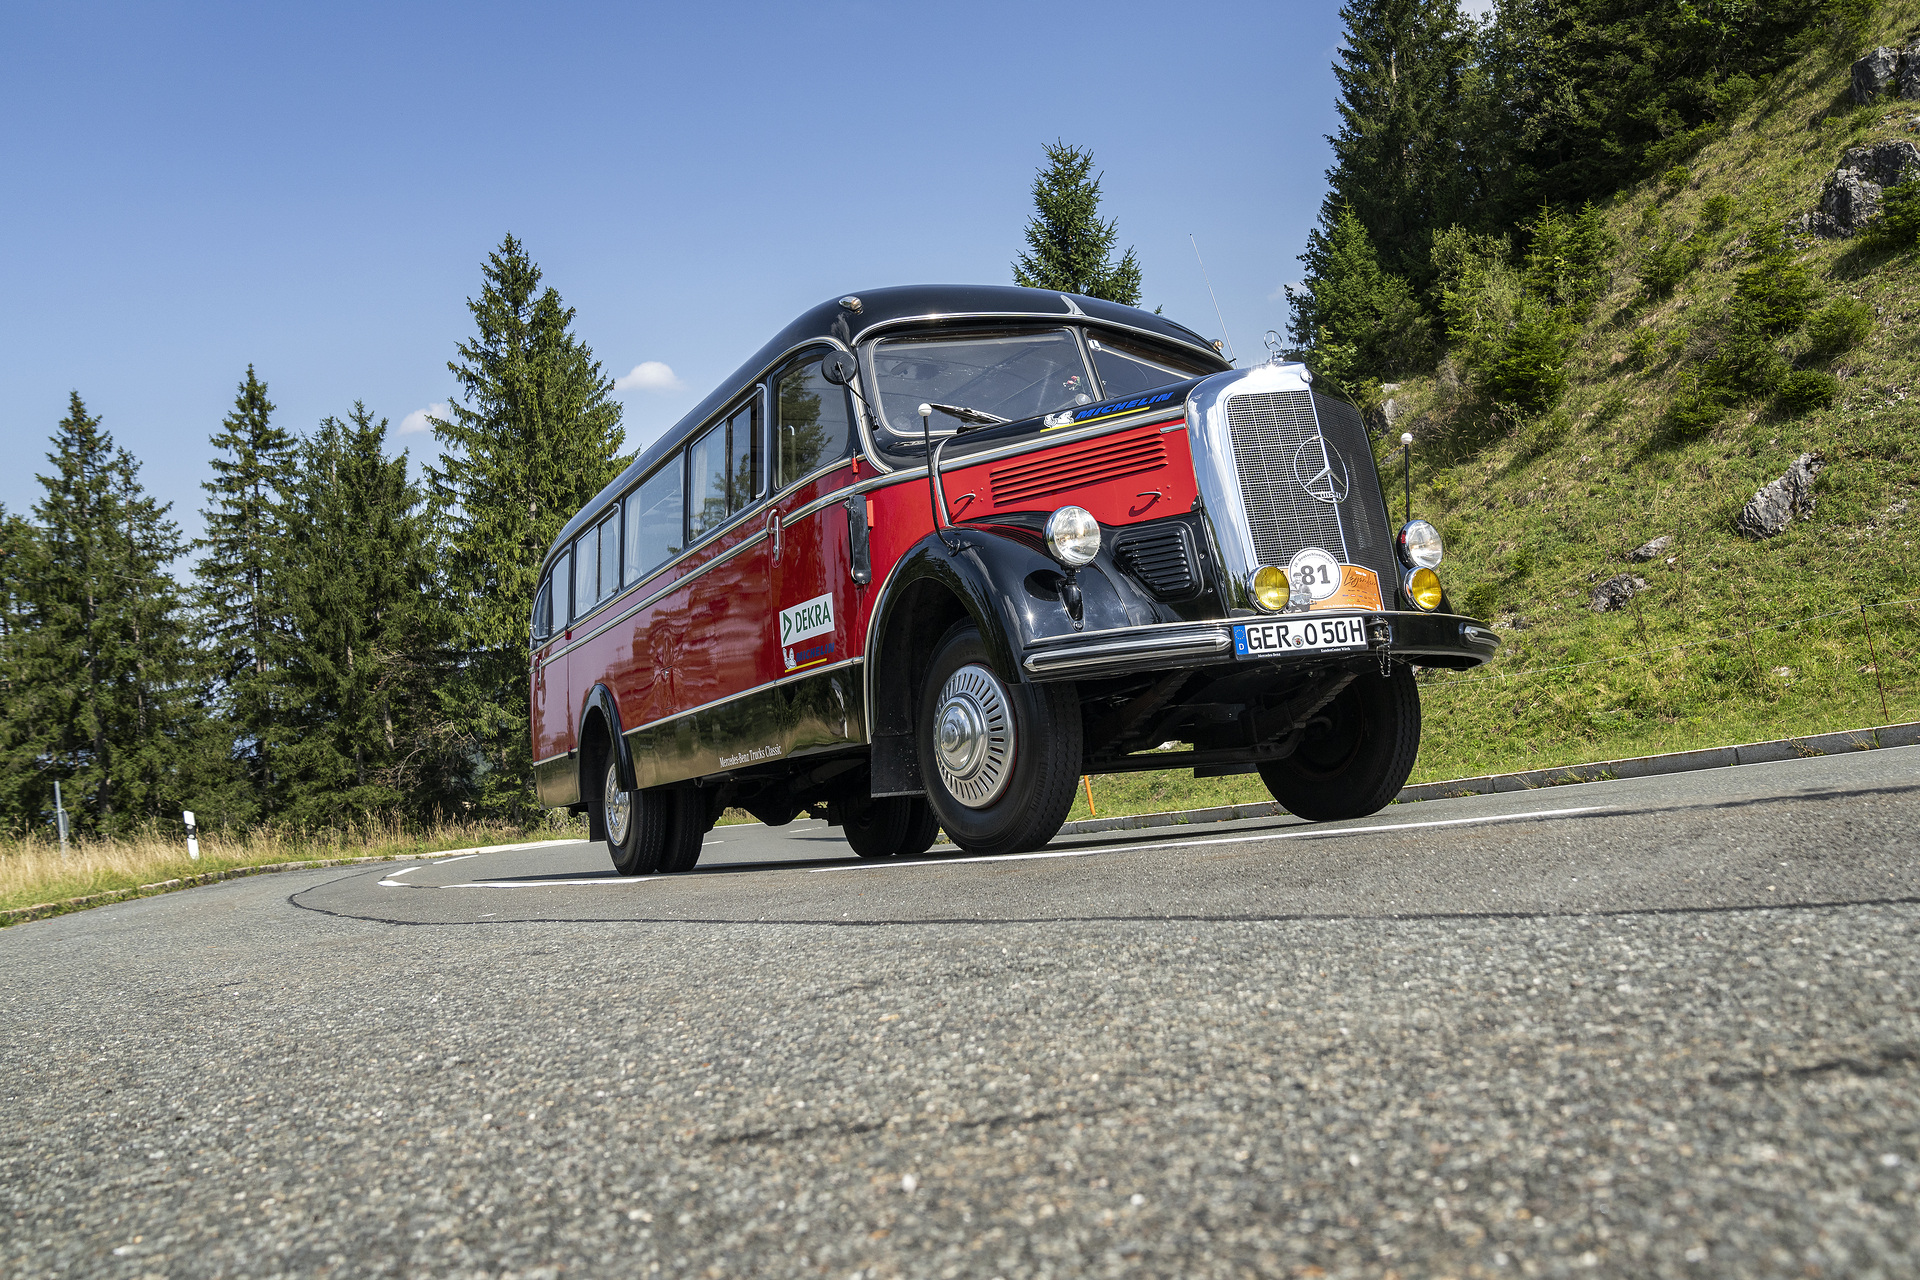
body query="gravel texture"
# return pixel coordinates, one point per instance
(1674, 1036)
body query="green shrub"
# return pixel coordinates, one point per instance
(1480, 600)
(1806, 389)
(1775, 291)
(1744, 361)
(1898, 226)
(1667, 256)
(1676, 178)
(1643, 346)
(1839, 325)
(1717, 211)
(1531, 371)
(1733, 94)
(1609, 411)
(1696, 409)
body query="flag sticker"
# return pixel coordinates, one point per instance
(809, 618)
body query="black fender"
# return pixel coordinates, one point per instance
(1002, 578)
(599, 701)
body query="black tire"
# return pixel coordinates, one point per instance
(686, 829)
(922, 831)
(1021, 744)
(634, 824)
(889, 827)
(1356, 756)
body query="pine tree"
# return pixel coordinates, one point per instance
(353, 671)
(252, 472)
(104, 662)
(1068, 248)
(1408, 157)
(1352, 320)
(532, 437)
(19, 544)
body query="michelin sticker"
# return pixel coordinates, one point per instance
(803, 621)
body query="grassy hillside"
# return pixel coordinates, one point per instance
(1537, 512)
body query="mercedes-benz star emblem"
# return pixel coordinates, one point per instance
(1321, 471)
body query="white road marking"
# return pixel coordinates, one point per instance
(542, 884)
(1311, 834)
(393, 880)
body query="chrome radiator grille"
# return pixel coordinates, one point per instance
(1270, 430)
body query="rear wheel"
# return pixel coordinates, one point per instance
(888, 827)
(999, 761)
(636, 825)
(686, 829)
(1357, 753)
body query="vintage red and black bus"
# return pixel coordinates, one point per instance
(1121, 542)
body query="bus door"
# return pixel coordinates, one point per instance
(730, 592)
(811, 625)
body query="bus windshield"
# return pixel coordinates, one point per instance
(1011, 374)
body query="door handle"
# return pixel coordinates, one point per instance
(773, 532)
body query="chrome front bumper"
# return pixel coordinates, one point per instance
(1425, 639)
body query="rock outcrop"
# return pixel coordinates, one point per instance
(1852, 196)
(1777, 504)
(1617, 592)
(1648, 550)
(1879, 71)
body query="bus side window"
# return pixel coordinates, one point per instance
(609, 555)
(561, 594)
(543, 612)
(811, 423)
(707, 475)
(586, 560)
(653, 521)
(749, 466)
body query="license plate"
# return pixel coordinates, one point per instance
(1304, 635)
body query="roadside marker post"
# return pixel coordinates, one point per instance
(60, 820)
(193, 835)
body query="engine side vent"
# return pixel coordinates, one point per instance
(1086, 464)
(1162, 558)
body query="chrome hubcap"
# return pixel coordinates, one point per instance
(973, 737)
(619, 806)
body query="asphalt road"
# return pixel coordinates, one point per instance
(1664, 1027)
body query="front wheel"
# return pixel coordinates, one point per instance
(1356, 754)
(999, 761)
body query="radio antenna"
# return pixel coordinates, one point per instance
(1232, 356)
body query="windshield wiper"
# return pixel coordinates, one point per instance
(973, 417)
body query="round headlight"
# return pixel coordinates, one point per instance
(1423, 588)
(1073, 536)
(1270, 588)
(1419, 545)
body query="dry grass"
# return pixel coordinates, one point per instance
(32, 870)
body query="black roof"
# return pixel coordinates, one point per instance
(878, 308)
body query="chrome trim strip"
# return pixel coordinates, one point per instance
(807, 674)
(550, 759)
(1182, 641)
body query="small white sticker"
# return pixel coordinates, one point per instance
(809, 618)
(1313, 573)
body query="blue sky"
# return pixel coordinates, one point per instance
(190, 188)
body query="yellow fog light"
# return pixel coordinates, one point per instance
(1423, 588)
(1271, 589)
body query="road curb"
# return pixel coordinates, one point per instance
(41, 910)
(1819, 744)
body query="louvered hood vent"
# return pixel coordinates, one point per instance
(1088, 464)
(1161, 556)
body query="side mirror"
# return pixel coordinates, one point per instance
(839, 369)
